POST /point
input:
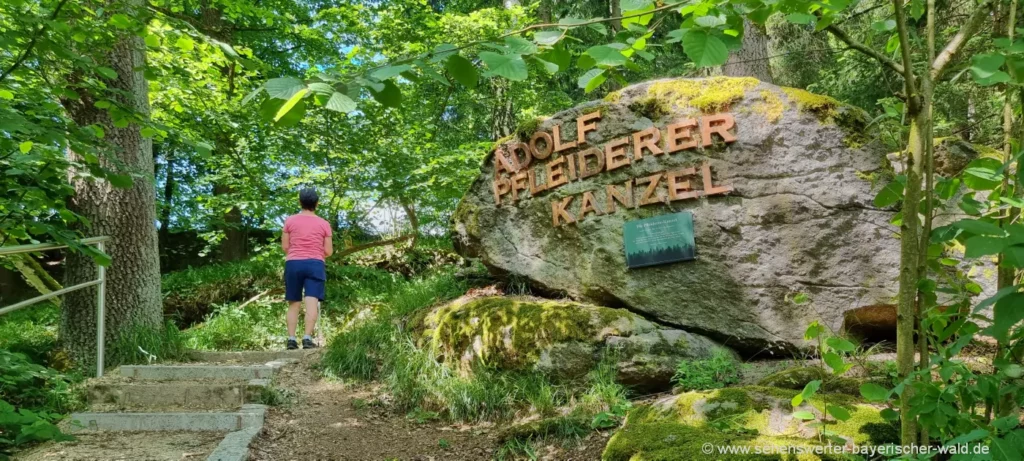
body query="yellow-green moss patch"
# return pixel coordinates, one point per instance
(613, 97)
(510, 333)
(771, 106)
(822, 106)
(710, 95)
(529, 127)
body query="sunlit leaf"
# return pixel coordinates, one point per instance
(511, 67)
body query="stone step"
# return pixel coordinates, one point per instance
(250, 357)
(248, 417)
(180, 394)
(196, 372)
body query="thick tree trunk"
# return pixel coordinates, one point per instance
(126, 215)
(752, 59)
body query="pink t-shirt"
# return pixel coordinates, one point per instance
(306, 236)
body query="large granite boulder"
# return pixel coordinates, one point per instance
(780, 183)
(564, 339)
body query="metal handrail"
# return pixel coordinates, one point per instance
(101, 281)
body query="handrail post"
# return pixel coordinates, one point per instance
(100, 314)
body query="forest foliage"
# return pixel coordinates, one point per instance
(388, 107)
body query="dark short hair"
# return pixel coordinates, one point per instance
(308, 198)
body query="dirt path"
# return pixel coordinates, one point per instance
(327, 420)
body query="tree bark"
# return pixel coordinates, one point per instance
(752, 59)
(127, 215)
(233, 247)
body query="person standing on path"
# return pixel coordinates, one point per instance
(306, 240)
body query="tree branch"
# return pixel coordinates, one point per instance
(966, 31)
(842, 36)
(32, 42)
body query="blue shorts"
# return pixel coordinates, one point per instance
(307, 275)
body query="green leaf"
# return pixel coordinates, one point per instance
(884, 26)
(800, 18)
(519, 45)
(121, 21)
(558, 56)
(838, 413)
(321, 88)
(340, 102)
(986, 65)
(592, 79)
(840, 344)
(389, 96)
(976, 434)
(810, 389)
(984, 245)
(25, 147)
(605, 55)
(120, 180)
(804, 415)
(890, 194)
(290, 104)
(889, 414)
(585, 62)
(1008, 311)
(462, 71)
(550, 67)
(294, 116)
(979, 227)
(185, 43)
(547, 37)
(874, 393)
(710, 21)
(107, 72)
(5, 94)
(385, 73)
(835, 362)
(704, 49)
(801, 298)
(813, 330)
(633, 5)
(511, 67)
(284, 87)
(153, 41)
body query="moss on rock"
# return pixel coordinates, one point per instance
(510, 333)
(771, 106)
(709, 95)
(743, 416)
(793, 378)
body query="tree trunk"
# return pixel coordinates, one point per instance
(503, 116)
(127, 215)
(233, 247)
(752, 59)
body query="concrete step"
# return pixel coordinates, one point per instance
(248, 417)
(249, 357)
(197, 372)
(177, 394)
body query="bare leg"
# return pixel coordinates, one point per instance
(312, 311)
(293, 316)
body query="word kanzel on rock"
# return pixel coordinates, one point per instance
(512, 161)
